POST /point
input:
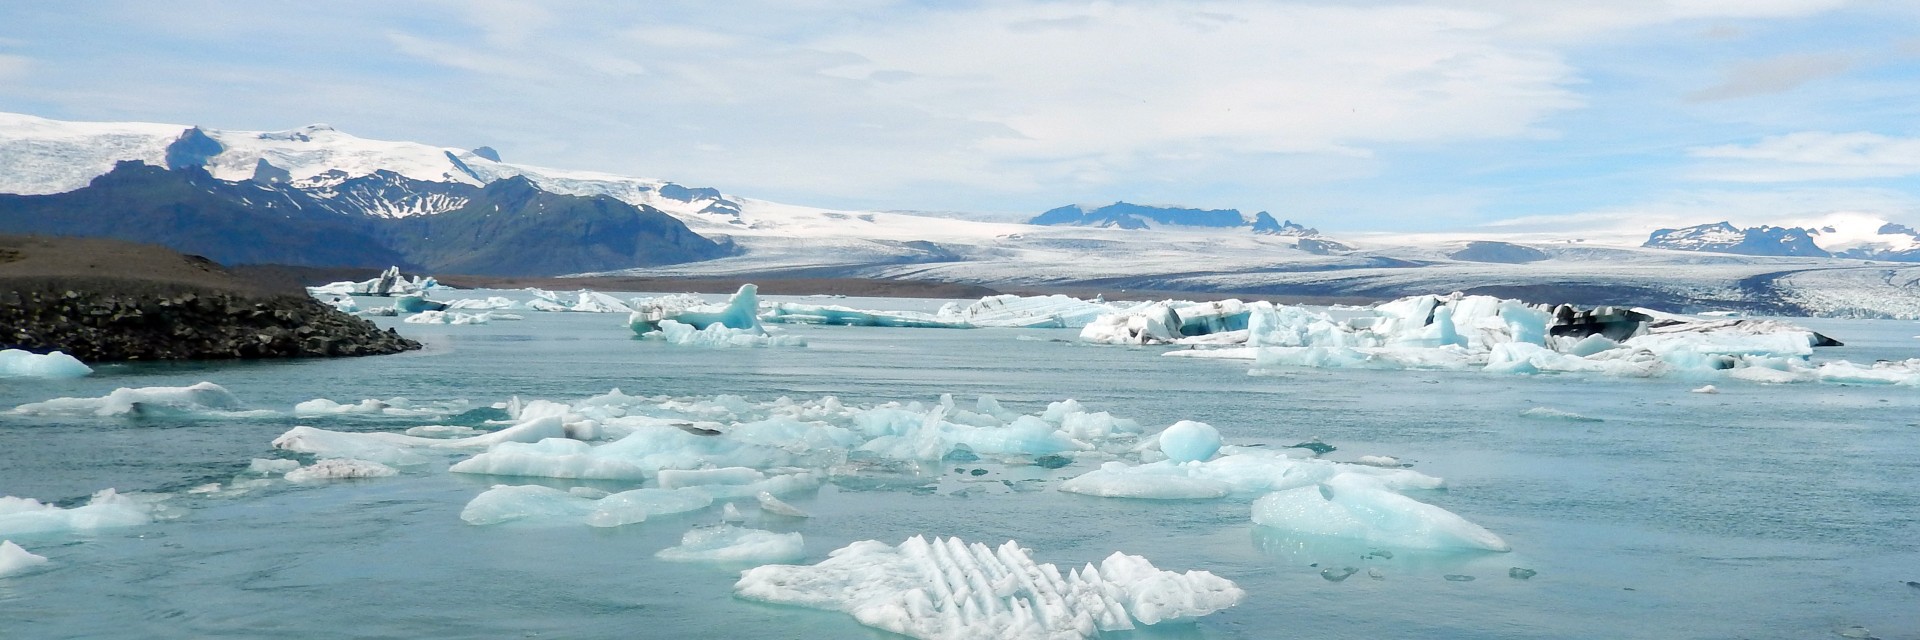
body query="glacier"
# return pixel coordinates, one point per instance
(19, 363)
(948, 588)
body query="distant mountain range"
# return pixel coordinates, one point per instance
(1126, 215)
(1854, 237)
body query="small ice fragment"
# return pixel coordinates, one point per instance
(1455, 577)
(1336, 575)
(15, 560)
(1379, 461)
(731, 513)
(211, 487)
(1855, 631)
(1187, 441)
(1549, 413)
(728, 543)
(1707, 389)
(1376, 573)
(773, 505)
(1052, 461)
(1518, 573)
(340, 468)
(271, 466)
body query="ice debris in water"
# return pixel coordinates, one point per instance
(452, 317)
(794, 313)
(717, 335)
(15, 560)
(731, 513)
(507, 503)
(107, 509)
(399, 407)
(1187, 441)
(1549, 413)
(950, 589)
(1707, 389)
(1357, 507)
(399, 449)
(204, 397)
(773, 505)
(340, 469)
(1237, 470)
(271, 466)
(728, 543)
(17, 363)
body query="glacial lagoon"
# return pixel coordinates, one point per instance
(1642, 510)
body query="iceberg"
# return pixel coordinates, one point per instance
(107, 509)
(203, 397)
(1240, 470)
(718, 335)
(449, 317)
(1188, 441)
(1026, 312)
(794, 313)
(17, 363)
(742, 311)
(388, 283)
(15, 560)
(731, 544)
(507, 503)
(948, 588)
(399, 449)
(490, 303)
(1360, 508)
(340, 469)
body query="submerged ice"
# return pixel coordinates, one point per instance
(948, 588)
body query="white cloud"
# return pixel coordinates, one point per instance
(14, 66)
(1812, 155)
(1774, 75)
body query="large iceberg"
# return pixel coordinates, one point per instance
(950, 589)
(689, 321)
(17, 363)
(204, 397)
(388, 283)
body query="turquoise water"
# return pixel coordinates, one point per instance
(1759, 512)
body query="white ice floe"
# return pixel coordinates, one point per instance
(450, 317)
(17, 363)
(204, 397)
(107, 509)
(717, 335)
(1027, 312)
(950, 589)
(795, 313)
(400, 449)
(1550, 413)
(689, 321)
(272, 466)
(730, 544)
(1240, 470)
(1360, 508)
(490, 303)
(400, 407)
(15, 560)
(546, 505)
(775, 506)
(340, 469)
(389, 283)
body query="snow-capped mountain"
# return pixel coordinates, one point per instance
(1837, 235)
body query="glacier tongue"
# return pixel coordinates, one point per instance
(948, 588)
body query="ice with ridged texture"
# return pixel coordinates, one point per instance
(340, 469)
(204, 397)
(107, 509)
(18, 363)
(15, 560)
(1360, 508)
(949, 589)
(731, 544)
(546, 505)
(1187, 441)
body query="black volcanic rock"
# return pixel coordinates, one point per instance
(1723, 237)
(487, 152)
(1498, 252)
(1263, 223)
(192, 149)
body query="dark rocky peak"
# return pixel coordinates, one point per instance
(487, 152)
(1263, 223)
(192, 149)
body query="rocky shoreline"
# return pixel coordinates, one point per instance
(110, 302)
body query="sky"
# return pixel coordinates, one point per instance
(1363, 115)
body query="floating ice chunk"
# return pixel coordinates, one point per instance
(1379, 461)
(399, 449)
(629, 507)
(417, 303)
(1360, 508)
(740, 312)
(449, 317)
(1035, 312)
(792, 313)
(15, 560)
(549, 458)
(1550, 413)
(719, 336)
(728, 543)
(950, 589)
(271, 466)
(146, 401)
(1706, 389)
(676, 478)
(445, 431)
(773, 505)
(486, 304)
(1117, 480)
(1591, 345)
(389, 283)
(596, 302)
(506, 503)
(107, 509)
(732, 513)
(17, 363)
(1187, 441)
(340, 469)
(1153, 323)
